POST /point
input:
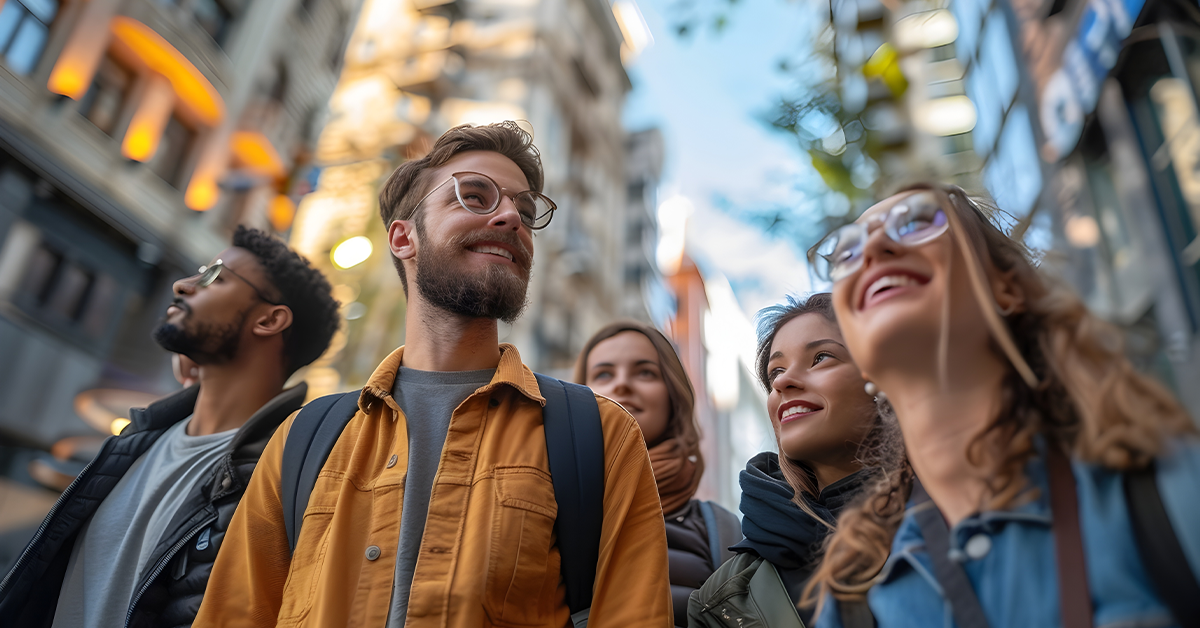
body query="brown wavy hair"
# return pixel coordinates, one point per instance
(769, 321)
(682, 422)
(1069, 383)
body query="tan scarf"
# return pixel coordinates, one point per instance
(676, 474)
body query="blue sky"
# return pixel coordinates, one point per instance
(707, 93)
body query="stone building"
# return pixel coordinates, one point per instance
(416, 68)
(134, 136)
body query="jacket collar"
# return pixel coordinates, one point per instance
(510, 372)
(176, 407)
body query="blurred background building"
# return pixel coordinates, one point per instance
(1078, 117)
(134, 136)
(414, 70)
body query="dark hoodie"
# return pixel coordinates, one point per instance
(775, 527)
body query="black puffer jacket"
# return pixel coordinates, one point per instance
(780, 551)
(690, 549)
(171, 591)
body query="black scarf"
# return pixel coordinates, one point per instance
(775, 528)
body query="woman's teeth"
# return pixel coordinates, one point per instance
(890, 281)
(797, 410)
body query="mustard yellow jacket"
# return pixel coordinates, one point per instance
(488, 557)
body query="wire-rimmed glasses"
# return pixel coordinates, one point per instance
(915, 220)
(208, 274)
(479, 194)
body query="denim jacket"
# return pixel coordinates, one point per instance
(1009, 556)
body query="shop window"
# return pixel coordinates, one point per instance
(214, 17)
(63, 293)
(24, 25)
(173, 151)
(103, 102)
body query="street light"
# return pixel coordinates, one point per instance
(351, 252)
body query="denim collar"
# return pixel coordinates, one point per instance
(908, 547)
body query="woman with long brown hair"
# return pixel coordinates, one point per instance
(1051, 474)
(791, 499)
(636, 366)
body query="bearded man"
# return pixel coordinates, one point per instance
(436, 505)
(133, 540)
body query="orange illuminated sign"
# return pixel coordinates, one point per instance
(192, 88)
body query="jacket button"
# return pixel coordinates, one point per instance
(391, 461)
(373, 552)
(978, 546)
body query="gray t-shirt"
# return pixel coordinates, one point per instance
(111, 553)
(428, 398)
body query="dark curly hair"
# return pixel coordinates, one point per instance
(302, 288)
(400, 193)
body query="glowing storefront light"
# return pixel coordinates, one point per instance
(118, 425)
(351, 252)
(281, 212)
(927, 29)
(1082, 232)
(256, 153)
(946, 116)
(146, 127)
(189, 84)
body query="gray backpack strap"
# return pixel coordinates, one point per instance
(312, 436)
(724, 530)
(575, 447)
(771, 598)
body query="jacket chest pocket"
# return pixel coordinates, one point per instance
(522, 584)
(311, 546)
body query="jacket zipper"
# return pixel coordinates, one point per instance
(164, 561)
(37, 536)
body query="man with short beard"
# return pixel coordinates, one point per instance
(436, 505)
(133, 540)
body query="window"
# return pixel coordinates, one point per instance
(214, 17)
(60, 291)
(24, 25)
(103, 102)
(173, 151)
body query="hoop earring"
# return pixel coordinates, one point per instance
(1006, 311)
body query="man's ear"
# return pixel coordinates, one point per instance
(273, 321)
(1007, 292)
(402, 239)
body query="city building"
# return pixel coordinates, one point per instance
(134, 136)
(901, 105)
(419, 67)
(1088, 131)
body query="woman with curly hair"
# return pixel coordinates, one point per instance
(790, 500)
(1040, 452)
(635, 365)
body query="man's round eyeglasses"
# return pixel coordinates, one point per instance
(915, 220)
(479, 194)
(209, 274)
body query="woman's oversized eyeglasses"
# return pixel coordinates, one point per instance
(479, 194)
(209, 274)
(915, 220)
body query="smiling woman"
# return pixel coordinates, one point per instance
(1040, 451)
(636, 366)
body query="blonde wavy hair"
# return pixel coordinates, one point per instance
(1069, 383)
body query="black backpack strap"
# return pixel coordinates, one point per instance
(575, 446)
(1159, 547)
(312, 436)
(724, 530)
(964, 605)
(855, 614)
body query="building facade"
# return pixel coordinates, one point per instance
(134, 136)
(1088, 131)
(416, 68)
